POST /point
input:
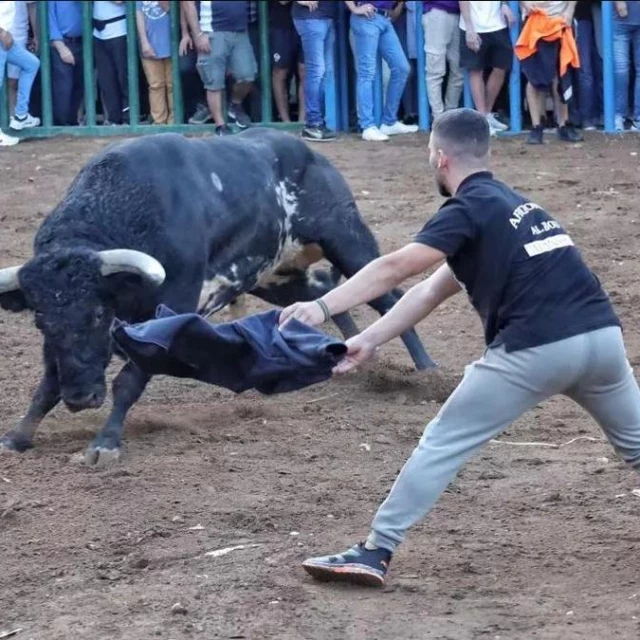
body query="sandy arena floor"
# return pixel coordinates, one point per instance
(528, 542)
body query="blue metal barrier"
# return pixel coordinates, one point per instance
(424, 112)
(608, 73)
(515, 101)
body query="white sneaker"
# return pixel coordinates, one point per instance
(26, 122)
(398, 128)
(8, 141)
(494, 123)
(619, 123)
(373, 134)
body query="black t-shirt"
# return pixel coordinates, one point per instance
(325, 9)
(583, 9)
(280, 15)
(519, 267)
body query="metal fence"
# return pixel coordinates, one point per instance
(336, 84)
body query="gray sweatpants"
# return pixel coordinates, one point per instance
(592, 369)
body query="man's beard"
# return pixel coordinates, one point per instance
(442, 189)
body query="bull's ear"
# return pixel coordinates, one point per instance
(13, 301)
(128, 290)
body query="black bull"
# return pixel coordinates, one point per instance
(191, 223)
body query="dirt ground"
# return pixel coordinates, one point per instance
(528, 542)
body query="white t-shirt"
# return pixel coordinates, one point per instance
(20, 29)
(7, 14)
(551, 8)
(485, 16)
(105, 10)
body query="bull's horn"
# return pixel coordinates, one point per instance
(118, 260)
(9, 279)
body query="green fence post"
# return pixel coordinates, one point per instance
(87, 65)
(132, 65)
(265, 63)
(45, 64)
(4, 103)
(176, 33)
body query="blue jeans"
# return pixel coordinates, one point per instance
(29, 65)
(625, 35)
(318, 37)
(372, 35)
(589, 75)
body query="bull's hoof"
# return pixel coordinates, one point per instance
(101, 456)
(14, 443)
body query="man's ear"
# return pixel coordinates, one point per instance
(13, 301)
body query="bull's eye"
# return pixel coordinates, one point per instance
(98, 315)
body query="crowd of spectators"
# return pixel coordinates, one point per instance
(219, 54)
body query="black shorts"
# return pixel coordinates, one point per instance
(286, 48)
(496, 51)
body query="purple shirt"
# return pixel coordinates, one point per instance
(450, 6)
(380, 4)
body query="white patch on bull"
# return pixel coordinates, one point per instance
(211, 288)
(217, 183)
(289, 203)
(291, 254)
(234, 270)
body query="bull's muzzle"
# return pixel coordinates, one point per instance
(76, 402)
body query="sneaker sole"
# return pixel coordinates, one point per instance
(232, 120)
(351, 574)
(22, 126)
(309, 139)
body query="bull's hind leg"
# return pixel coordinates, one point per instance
(46, 397)
(352, 250)
(127, 388)
(304, 286)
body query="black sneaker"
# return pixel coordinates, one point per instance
(238, 115)
(569, 133)
(223, 130)
(202, 115)
(318, 134)
(357, 566)
(535, 135)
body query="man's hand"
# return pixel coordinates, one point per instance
(397, 11)
(147, 50)
(367, 10)
(507, 14)
(359, 351)
(6, 39)
(312, 5)
(474, 41)
(186, 44)
(202, 43)
(621, 8)
(310, 313)
(65, 53)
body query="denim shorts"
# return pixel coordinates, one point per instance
(231, 52)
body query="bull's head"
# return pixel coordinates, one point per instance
(75, 294)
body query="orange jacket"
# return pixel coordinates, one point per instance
(549, 28)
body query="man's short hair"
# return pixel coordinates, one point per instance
(462, 133)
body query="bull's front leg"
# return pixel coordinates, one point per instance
(46, 397)
(128, 386)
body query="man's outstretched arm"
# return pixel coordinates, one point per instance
(372, 281)
(413, 307)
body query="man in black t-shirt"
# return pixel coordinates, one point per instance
(286, 57)
(549, 329)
